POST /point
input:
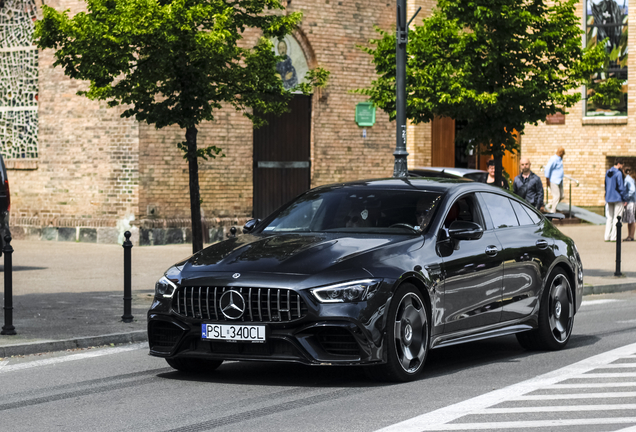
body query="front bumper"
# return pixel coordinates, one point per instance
(337, 334)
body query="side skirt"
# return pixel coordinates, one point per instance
(496, 330)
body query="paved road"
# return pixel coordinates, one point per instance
(591, 386)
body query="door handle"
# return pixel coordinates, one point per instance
(542, 244)
(491, 250)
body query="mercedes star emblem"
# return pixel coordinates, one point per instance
(232, 304)
(236, 275)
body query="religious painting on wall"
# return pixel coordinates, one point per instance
(293, 68)
(607, 19)
(18, 80)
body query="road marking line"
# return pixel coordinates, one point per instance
(629, 429)
(437, 419)
(574, 396)
(3, 363)
(619, 366)
(73, 357)
(532, 424)
(564, 408)
(608, 375)
(597, 302)
(594, 385)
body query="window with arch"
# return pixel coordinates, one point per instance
(18, 80)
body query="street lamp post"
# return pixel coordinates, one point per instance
(400, 168)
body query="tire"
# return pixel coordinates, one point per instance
(194, 365)
(556, 316)
(407, 337)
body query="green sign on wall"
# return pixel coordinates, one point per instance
(365, 114)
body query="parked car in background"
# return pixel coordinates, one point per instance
(444, 172)
(5, 203)
(371, 273)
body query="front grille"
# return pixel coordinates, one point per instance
(338, 341)
(163, 335)
(261, 304)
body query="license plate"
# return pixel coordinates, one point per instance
(233, 332)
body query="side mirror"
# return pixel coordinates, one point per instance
(250, 224)
(554, 215)
(464, 230)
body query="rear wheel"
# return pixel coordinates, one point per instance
(556, 316)
(408, 335)
(194, 365)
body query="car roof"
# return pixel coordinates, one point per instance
(433, 184)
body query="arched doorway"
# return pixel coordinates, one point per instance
(282, 148)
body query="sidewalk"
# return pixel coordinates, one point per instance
(69, 295)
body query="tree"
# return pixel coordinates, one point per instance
(175, 62)
(494, 65)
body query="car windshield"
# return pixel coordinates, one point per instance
(357, 210)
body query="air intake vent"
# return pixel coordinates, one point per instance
(260, 304)
(338, 341)
(163, 336)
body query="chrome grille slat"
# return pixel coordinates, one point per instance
(249, 303)
(200, 310)
(261, 304)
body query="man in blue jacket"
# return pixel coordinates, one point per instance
(615, 197)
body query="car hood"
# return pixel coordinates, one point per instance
(299, 254)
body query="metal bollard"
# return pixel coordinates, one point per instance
(8, 328)
(127, 316)
(618, 247)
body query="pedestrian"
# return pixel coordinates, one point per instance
(554, 179)
(528, 185)
(490, 179)
(630, 208)
(615, 194)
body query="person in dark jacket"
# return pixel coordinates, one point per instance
(528, 185)
(615, 197)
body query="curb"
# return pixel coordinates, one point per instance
(608, 289)
(83, 342)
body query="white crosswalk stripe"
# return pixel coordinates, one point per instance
(594, 400)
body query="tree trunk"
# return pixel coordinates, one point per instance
(195, 198)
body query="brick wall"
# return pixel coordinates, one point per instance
(87, 167)
(590, 143)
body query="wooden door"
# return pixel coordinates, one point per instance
(281, 157)
(443, 142)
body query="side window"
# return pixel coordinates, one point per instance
(522, 214)
(533, 214)
(464, 208)
(500, 209)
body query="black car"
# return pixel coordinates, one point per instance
(372, 273)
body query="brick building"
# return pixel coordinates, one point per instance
(80, 172)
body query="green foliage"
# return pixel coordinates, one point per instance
(494, 65)
(607, 92)
(173, 62)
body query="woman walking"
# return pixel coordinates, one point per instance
(630, 209)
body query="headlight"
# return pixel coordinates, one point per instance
(347, 292)
(165, 288)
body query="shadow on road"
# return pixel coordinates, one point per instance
(23, 268)
(440, 362)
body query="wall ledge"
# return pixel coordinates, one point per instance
(604, 120)
(21, 164)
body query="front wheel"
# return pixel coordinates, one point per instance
(556, 316)
(407, 337)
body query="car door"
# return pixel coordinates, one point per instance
(473, 271)
(526, 252)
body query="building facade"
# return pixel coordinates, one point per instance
(80, 172)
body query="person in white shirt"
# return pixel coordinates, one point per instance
(554, 179)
